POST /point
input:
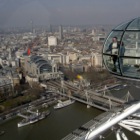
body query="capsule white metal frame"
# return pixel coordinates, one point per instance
(92, 134)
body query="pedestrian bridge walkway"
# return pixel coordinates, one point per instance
(92, 98)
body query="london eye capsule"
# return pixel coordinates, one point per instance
(121, 51)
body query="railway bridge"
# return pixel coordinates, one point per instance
(91, 98)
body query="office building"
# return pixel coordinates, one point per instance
(60, 32)
(52, 41)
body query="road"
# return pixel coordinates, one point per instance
(13, 112)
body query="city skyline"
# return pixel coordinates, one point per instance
(64, 12)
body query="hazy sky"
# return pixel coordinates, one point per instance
(67, 12)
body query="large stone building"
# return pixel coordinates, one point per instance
(98, 60)
(52, 41)
(59, 58)
(73, 56)
(37, 67)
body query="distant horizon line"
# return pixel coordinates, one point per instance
(57, 25)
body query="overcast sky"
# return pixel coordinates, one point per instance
(67, 12)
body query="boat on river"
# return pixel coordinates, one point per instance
(35, 117)
(62, 104)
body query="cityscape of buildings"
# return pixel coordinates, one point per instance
(35, 60)
(57, 53)
(39, 55)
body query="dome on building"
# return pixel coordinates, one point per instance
(121, 51)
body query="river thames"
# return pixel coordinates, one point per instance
(61, 122)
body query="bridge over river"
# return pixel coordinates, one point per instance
(89, 97)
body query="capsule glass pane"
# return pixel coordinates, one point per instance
(113, 34)
(134, 25)
(122, 56)
(112, 63)
(131, 67)
(131, 42)
(122, 26)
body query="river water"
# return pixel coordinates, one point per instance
(61, 122)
